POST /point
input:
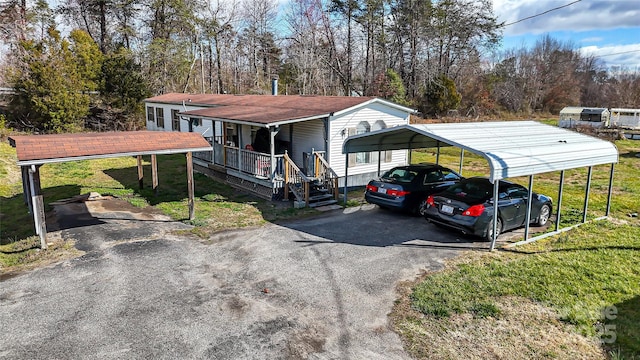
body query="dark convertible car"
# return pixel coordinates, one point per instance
(407, 187)
(468, 207)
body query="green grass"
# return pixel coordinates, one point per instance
(578, 274)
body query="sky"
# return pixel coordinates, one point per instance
(609, 29)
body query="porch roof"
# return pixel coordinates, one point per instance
(256, 114)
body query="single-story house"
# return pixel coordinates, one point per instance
(572, 116)
(276, 145)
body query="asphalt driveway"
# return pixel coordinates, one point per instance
(319, 288)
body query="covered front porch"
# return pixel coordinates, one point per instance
(256, 159)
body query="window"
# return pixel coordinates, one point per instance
(384, 155)
(363, 157)
(150, 114)
(160, 117)
(175, 120)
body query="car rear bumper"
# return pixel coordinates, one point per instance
(465, 224)
(392, 203)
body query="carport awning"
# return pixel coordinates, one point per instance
(512, 148)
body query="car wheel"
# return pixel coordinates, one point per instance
(422, 207)
(543, 216)
(489, 232)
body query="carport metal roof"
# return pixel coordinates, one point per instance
(512, 148)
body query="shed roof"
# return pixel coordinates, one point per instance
(512, 148)
(42, 149)
(585, 110)
(267, 109)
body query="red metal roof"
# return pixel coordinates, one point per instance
(39, 149)
(263, 109)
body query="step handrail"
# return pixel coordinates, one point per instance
(327, 175)
(294, 176)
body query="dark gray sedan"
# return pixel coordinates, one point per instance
(468, 207)
(406, 187)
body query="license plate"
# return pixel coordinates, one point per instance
(447, 209)
(382, 190)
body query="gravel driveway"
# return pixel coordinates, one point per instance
(319, 288)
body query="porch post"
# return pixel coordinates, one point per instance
(272, 149)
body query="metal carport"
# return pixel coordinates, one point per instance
(512, 149)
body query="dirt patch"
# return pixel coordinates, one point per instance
(523, 330)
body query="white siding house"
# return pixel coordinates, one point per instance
(261, 141)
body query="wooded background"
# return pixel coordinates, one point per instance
(97, 59)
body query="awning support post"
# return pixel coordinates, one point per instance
(190, 186)
(379, 161)
(438, 152)
(527, 219)
(496, 184)
(560, 188)
(586, 195)
(610, 190)
(461, 160)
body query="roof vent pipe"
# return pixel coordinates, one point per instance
(274, 85)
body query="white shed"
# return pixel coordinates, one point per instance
(571, 117)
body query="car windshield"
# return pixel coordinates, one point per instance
(472, 191)
(403, 175)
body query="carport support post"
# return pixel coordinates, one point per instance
(496, 184)
(140, 173)
(38, 205)
(586, 195)
(26, 187)
(527, 218)
(610, 190)
(461, 160)
(346, 176)
(560, 188)
(438, 152)
(190, 186)
(154, 173)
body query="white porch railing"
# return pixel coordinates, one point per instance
(249, 162)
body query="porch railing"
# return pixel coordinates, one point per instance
(250, 162)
